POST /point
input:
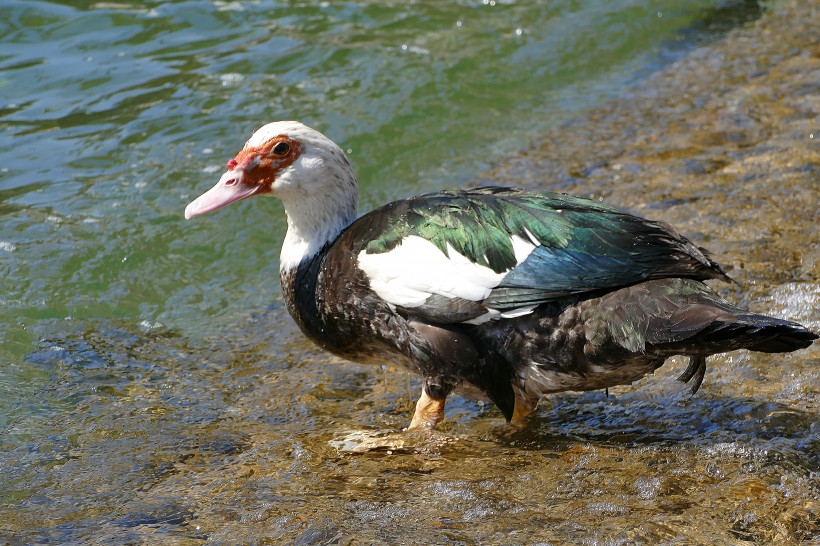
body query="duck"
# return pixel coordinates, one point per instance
(499, 294)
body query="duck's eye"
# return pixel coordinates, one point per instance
(281, 149)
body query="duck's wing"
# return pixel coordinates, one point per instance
(487, 253)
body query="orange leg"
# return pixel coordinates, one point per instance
(429, 411)
(522, 410)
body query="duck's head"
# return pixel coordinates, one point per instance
(290, 161)
(307, 171)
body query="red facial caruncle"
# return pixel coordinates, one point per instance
(253, 171)
(262, 164)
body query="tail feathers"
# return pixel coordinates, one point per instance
(684, 317)
(753, 332)
(758, 333)
(709, 329)
(782, 336)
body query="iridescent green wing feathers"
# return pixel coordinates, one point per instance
(478, 223)
(580, 245)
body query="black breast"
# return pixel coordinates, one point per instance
(330, 299)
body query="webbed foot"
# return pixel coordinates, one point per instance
(522, 411)
(429, 412)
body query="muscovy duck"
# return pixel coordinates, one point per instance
(497, 293)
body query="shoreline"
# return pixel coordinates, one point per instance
(724, 144)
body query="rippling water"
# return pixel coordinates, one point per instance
(114, 115)
(150, 382)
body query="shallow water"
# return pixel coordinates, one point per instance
(153, 388)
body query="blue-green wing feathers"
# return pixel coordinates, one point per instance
(582, 245)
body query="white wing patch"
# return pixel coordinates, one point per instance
(495, 314)
(531, 237)
(521, 248)
(416, 269)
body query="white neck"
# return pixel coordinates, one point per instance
(312, 223)
(319, 191)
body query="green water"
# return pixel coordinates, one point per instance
(115, 115)
(142, 355)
